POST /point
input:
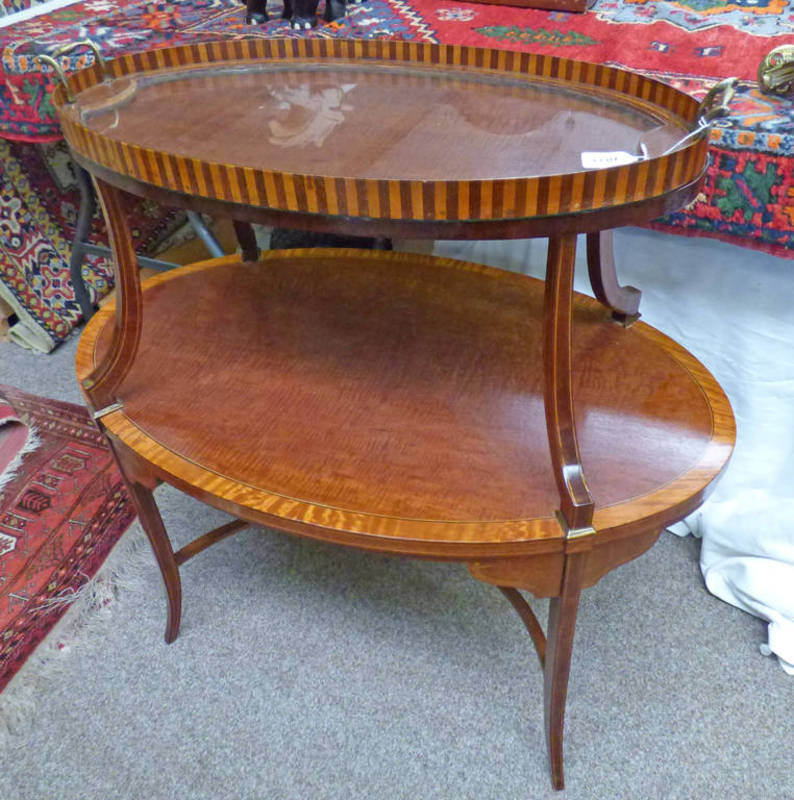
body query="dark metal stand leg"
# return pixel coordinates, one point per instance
(81, 247)
(334, 9)
(205, 234)
(81, 234)
(623, 300)
(289, 238)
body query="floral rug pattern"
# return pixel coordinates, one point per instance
(38, 212)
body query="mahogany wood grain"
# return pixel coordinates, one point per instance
(399, 403)
(577, 503)
(417, 168)
(101, 385)
(601, 560)
(559, 648)
(529, 619)
(713, 462)
(134, 468)
(247, 240)
(623, 300)
(152, 524)
(376, 363)
(208, 539)
(540, 574)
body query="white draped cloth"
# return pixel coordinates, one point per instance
(747, 559)
(733, 308)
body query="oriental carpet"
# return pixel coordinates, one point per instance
(61, 512)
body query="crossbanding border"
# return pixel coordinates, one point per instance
(512, 198)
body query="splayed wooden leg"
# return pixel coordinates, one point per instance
(623, 300)
(559, 647)
(141, 482)
(152, 524)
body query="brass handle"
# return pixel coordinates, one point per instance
(67, 48)
(776, 70)
(709, 110)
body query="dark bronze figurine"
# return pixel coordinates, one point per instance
(302, 14)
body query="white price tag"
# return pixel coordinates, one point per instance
(594, 159)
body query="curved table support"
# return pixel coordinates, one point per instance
(576, 503)
(207, 540)
(529, 619)
(102, 385)
(562, 624)
(554, 651)
(152, 524)
(167, 560)
(624, 301)
(140, 483)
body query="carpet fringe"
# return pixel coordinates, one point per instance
(31, 443)
(126, 570)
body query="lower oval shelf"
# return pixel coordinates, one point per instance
(395, 402)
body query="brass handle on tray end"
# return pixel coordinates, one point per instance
(67, 48)
(776, 70)
(709, 109)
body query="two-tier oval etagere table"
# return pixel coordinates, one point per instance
(400, 403)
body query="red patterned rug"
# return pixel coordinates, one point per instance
(62, 509)
(713, 38)
(689, 38)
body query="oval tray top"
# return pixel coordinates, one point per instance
(382, 129)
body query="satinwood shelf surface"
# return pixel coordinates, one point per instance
(400, 397)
